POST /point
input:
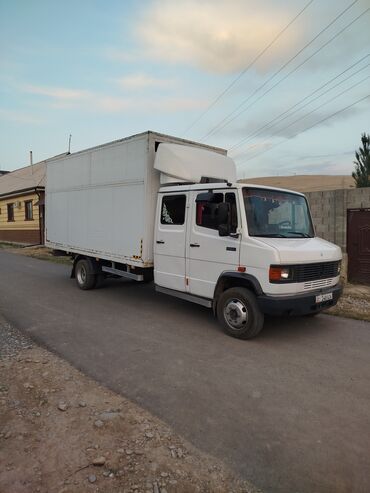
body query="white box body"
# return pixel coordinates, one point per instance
(101, 202)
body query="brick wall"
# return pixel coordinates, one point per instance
(329, 211)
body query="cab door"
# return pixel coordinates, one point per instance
(169, 240)
(208, 253)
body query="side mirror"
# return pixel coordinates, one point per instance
(223, 230)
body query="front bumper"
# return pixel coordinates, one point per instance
(299, 304)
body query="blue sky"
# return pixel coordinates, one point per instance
(105, 70)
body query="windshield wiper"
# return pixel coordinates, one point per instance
(299, 233)
(271, 235)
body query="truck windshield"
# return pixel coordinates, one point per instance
(277, 214)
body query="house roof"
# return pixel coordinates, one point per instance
(23, 179)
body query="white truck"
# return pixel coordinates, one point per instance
(152, 206)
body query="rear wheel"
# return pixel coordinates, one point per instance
(239, 313)
(85, 275)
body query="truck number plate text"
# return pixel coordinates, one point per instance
(324, 297)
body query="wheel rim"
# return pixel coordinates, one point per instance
(81, 275)
(236, 314)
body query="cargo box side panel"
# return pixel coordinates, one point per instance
(101, 212)
(56, 217)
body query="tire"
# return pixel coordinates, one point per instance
(85, 276)
(239, 313)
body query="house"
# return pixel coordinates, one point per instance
(22, 205)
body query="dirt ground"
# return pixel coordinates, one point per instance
(62, 432)
(38, 251)
(354, 303)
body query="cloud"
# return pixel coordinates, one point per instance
(18, 117)
(297, 124)
(216, 35)
(60, 93)
(324, 156)
(116, 105)
(143, 81)
(65, 98)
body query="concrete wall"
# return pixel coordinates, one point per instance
(329, 211)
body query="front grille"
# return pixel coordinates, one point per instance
(313, 272)
(319, 283)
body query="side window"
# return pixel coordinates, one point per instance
(173, 209)
(28, 210)
(207, 213)
(10, 212)
(207, 216)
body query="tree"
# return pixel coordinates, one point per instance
(361, 174)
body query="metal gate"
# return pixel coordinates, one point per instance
(358, 245)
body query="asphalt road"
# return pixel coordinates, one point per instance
(289, 411)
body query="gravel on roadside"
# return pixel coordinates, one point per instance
(62, 432)
(12, 340)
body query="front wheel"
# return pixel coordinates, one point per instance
(239, 313)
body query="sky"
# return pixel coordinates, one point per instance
(284, 85)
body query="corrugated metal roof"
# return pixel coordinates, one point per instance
(24, 178)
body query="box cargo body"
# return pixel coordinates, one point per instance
(101, 201)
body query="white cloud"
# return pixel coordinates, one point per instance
(216, 35)
(64, 98)
(143, 81)
(60, 93)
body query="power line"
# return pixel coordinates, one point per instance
(308, 128)
(288, 113)
(250, 65)
(327, 102)
(294, 69)
(229, 118)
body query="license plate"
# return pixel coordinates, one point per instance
(320, 298)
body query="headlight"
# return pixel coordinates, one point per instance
(280, 274)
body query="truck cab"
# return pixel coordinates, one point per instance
(245, 251)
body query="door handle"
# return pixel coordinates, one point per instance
(231, 249)
(194, 245)
(160, 242)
